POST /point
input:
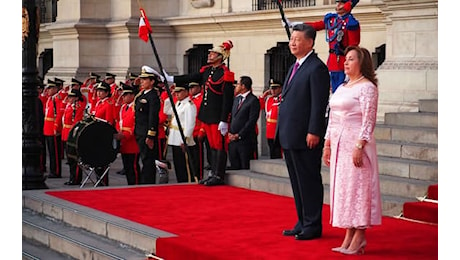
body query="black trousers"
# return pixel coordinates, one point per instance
(275, 149)
(240, 154)
(197, 152)
(54, 147)
(182, 165)
(148, 157)
(132, 167)
(304, 167)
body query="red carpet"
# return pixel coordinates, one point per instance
(226, 222)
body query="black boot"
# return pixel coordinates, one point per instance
(212, 171)
(221, 164)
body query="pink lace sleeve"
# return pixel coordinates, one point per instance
(368, 100)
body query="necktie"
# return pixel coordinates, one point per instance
(240, 101)
(294, 70)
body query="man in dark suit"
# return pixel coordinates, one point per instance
(301, 128)
(147, 109)
(242, 135)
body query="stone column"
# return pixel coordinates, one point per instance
(410, 70)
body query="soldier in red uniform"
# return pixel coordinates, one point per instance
(216, 107)
(104, 105)
(110, 79)
(129, 149)
(88, 89)
(342, 30)
(52, 130)
(196, 95)
(73, 113)
(270, 101)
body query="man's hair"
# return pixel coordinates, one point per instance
(246, 81)
(308, 30)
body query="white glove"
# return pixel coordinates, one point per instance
(223, 128)
(170, 79)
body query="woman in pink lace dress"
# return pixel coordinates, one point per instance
(350, 152)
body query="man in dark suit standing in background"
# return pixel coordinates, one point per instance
(301, 128)
(242, 134)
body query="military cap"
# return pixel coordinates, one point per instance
(50, 84)
(93, 75)
(102, 85)
(181, 87)
(75, 93)
(58, 81)
(147, 72)
(193, 84)
(275, 83)
(110, 76)
(132, 76)
(74, 81)
(127, 89)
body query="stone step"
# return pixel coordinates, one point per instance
(391, 204)
(420, 119)
(75, 242)
(132, 234)
(418, 135)
(404, 150)
(32, 250)
(405, 168)
(428, 105)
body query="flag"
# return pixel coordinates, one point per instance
(144, 26)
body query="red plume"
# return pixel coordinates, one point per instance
(227, 45)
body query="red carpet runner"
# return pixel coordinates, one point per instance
(226, 222)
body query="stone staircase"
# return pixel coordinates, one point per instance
(55, 229)
(408, 161)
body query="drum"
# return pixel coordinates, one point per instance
(91, 141)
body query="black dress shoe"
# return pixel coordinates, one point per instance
(71, 183)
(307, 236)
(290, 232)
(203, 181)
(214, 181)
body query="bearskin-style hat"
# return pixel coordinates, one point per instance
(223, 49)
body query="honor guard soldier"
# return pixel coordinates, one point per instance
(110, 79)
(88, 89)
(41, 118)
(216, 106)
(52, 131)
(73, 114)
(186, 112)
(129, 149)
(76, 84)
(199, 135)
(147, 109)
(342, 30)
(270, 100)
(104, 106)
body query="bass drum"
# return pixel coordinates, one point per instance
(91, 141)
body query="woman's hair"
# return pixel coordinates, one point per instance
(365, 61)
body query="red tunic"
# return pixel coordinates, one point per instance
(73, 113)
(271, 114)
(52, 126)
(198, 130)
(104, 110)
(125, 125)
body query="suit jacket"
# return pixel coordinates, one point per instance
(147, 109)
(243, 121)
(303, 104)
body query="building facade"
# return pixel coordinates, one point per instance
(82, 36)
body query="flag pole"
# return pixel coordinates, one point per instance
(187, 149)
(286, 25)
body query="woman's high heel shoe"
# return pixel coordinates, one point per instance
(338, 249)
(358, 251)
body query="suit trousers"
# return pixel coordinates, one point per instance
(54, 146)
(304, 167)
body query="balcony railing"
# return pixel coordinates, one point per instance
(272, 4)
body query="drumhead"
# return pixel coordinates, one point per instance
(95, 144)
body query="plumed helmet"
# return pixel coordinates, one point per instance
(349, 4)
(223, 49)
